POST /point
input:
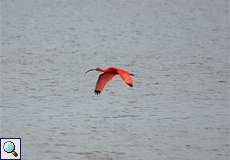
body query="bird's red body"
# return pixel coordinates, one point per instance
(108, 74)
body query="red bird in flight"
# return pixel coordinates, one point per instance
(108, 74)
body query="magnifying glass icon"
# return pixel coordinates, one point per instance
(9, 147)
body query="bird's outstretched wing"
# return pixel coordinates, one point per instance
(126, 77)
(102, 81)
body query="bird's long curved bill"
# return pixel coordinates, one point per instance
(90, 70)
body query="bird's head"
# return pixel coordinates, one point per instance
(99, 69)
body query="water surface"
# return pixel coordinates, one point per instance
(178, 108)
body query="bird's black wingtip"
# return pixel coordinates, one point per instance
(97, 92)
(131, 85)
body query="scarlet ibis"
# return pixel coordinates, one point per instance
(108, 74)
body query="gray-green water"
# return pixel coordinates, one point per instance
(178, 50)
